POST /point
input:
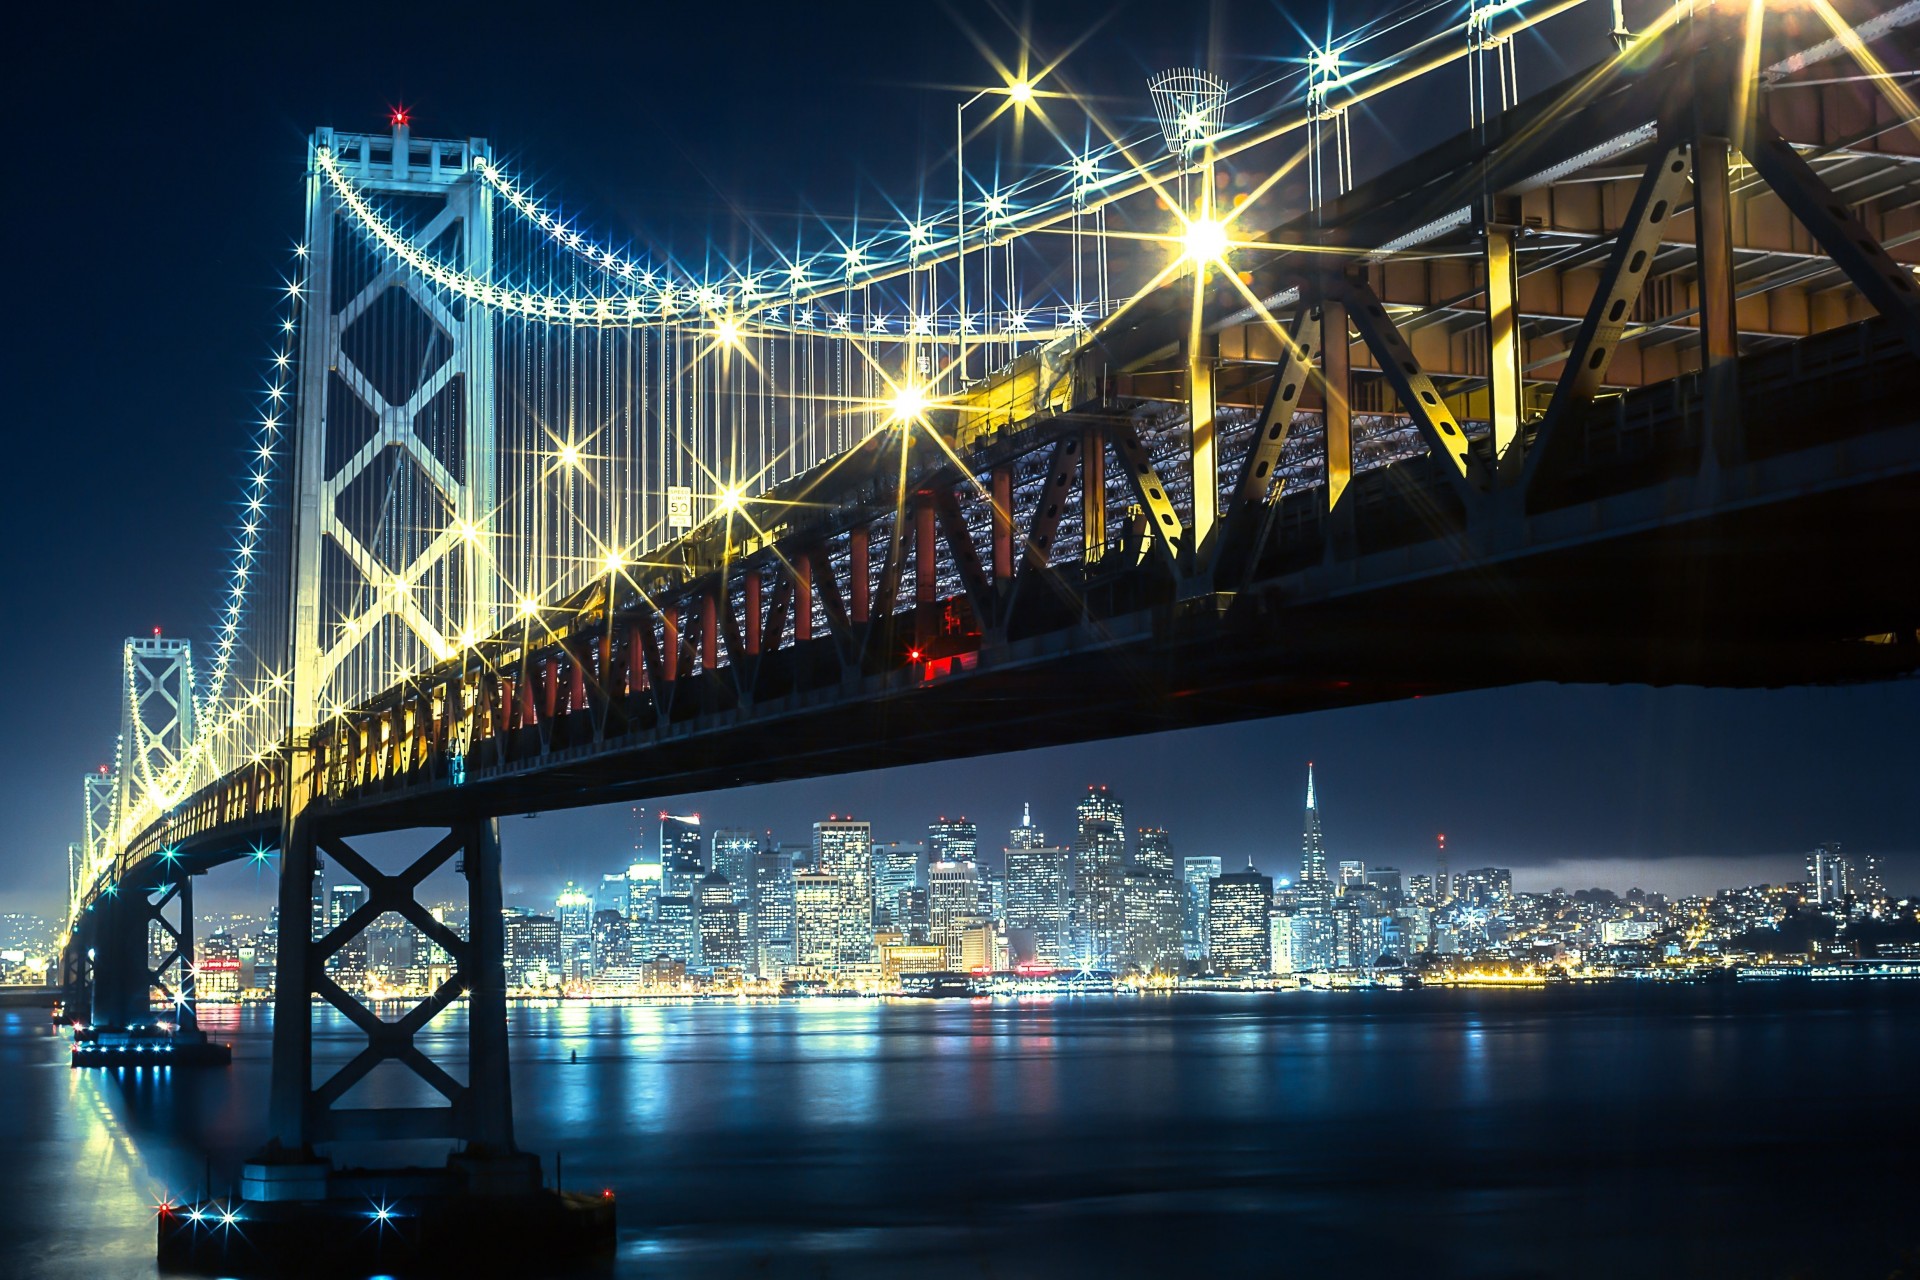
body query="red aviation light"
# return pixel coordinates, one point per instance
(400, 117)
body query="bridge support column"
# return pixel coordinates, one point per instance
(478, 1115)
(1203, 451)
(186, 1015)
(292, 1079)
(925, 589)
(1504, 357)
(1002, 495)
(1719, 322)
(1336, 382)
(1093, 494)
(859, 575)
(490, 1099)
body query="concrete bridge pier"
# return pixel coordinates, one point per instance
(300, 1207)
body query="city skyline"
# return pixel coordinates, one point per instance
(581, 845)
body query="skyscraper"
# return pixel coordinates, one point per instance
(680, 854)
(1314, 940)
(643, 902)
(953, 899)
(733, 849)
(1152, 905)
(1037, 902)
(533, 950)
(675, 934)
(348, 965)
(612, 946)
(1831, 874)
(719, 925)
(953, 840)
(575, 913)
(896, 870)
(772, 914)
(1193, 925)
(817, 899)
(1239, 942)
(1153, 849)
(1026, 835)
(1097, 885)
(843, 849)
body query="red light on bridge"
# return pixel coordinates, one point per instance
(400, 117)
(156, 633)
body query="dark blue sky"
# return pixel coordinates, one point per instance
(155, 188)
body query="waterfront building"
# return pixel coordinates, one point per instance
(612, 946)
(1280, 942)
(983, 948)
(1238, 939)
(1152, 908)
(843, 849)
(953, 898)
(348, 965)
(952, 840)
(533, 950)
(817, 900)
(390, 949)
(1097, 882)
(1200, 873)
(575, 913)
(898, 956)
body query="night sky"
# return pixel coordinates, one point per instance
(155, 192)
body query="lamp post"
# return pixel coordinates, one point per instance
(1021, 92)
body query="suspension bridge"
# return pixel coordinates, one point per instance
(1616, 384)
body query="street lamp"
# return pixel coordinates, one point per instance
(1020, 92)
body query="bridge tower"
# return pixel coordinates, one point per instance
(156, 723)
(394, 478)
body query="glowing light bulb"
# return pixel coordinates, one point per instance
(569, 455)
(527, 606)
(908, 402)
(1205, 240)
(728, 332)
(729, 498)
(614, 562)
(1020, 91)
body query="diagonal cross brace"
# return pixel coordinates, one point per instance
(1663, 188)
(1416, 392)
(1889, 286)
